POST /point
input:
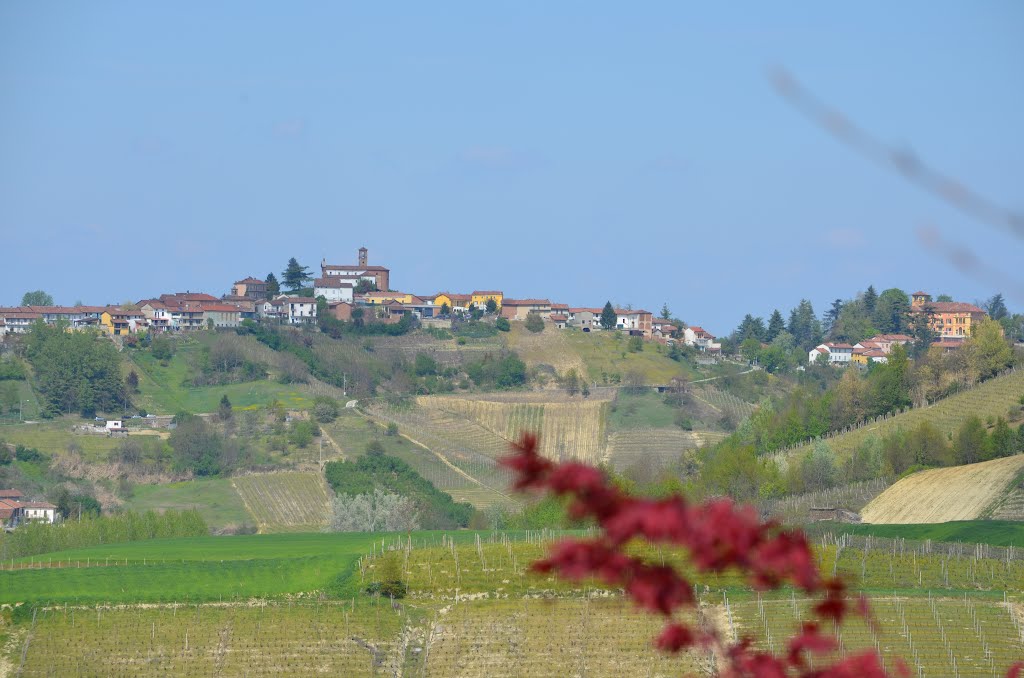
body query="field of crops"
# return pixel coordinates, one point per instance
(285, 501)
(288, 639)
(553, 637)
(934, 636)
(994, 398)
(568, 430)
(728, 404)
(944, 494)
(658, 447)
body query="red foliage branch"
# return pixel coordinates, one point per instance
(718, 536)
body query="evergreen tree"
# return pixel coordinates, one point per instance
(295, 275)
(665, 313)
(751, 328)
(892, 311)
(224, 410)
(804, 325)
(776, 324)
(273, 287)
(870, 299)
(832, 315)
(609, 319)
(996, 307)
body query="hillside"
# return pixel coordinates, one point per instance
(945, 494)
(993, 398)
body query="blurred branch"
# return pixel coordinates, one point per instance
(968, 263)
(903, 161)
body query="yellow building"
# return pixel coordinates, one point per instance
(480, 298)
(385, 297)
(115, 323)
(453, 301)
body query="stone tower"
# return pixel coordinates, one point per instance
(363, 256)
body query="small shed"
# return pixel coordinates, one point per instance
(115, 425)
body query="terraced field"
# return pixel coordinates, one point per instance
(944, 494)
(285, 501)
(724, 402)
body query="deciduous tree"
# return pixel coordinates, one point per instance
(36, 298)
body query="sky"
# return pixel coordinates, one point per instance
(577, 151)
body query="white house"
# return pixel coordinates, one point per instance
(115, 425)
(300, 309)
(333, 288)
(701, 339)
(840, 354)
(37, 511)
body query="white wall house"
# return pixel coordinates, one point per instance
(300, 310)
(333, 288)
(38, 511)
(837, 353)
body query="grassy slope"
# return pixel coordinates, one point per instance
(54, 436)
(995, 532)
(215, 499)
(162, 390)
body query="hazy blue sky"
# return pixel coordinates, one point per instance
(579, 151)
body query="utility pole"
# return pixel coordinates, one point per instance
(344, 384)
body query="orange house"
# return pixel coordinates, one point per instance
(948, 318)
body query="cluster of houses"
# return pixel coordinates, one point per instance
(950, 321)
(14, 511)
(346, 289)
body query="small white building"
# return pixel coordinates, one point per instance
(701, 339)
(300, 309)
(38, 512)
(333, 288)
(115, 425)
(838, 354)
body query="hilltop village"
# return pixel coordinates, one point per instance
(345, 292)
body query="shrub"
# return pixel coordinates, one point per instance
(534, 322)
(392, 429)
(29, 455)
(301, 433)
(325, 409)
(502, 324)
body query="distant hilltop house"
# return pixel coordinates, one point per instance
(334, 288)
(379, 275)
(701, 339)
(14, 511)
(947, 319)
(250, 288)
(873, 350)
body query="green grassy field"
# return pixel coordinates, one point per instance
(994, 532)
(353, 431)
(215, 499)
(645, 410)
(162, 390)
(56, 435)
(605, 353)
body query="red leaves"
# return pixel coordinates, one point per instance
(718, 536)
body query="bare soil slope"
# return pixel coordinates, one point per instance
(945, 494)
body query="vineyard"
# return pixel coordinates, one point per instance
(796, 509)
(729, 405)
(252, 640)
(934, 636)
(568, 430)
(993, 398)
(944, 494)
(657, 446)
(474, 610)
(285, 501)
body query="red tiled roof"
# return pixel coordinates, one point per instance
(559, 318)
(526, 302)
(38, 505)
(822, 349)
(251, 281)
(920, 294)
(890, 337)
(833, 344)
(221, 308)
(338, 267)
(560, 307)
(332, 282)
(479, 292)
(10, 494)
(595, 311)
(954, 307)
